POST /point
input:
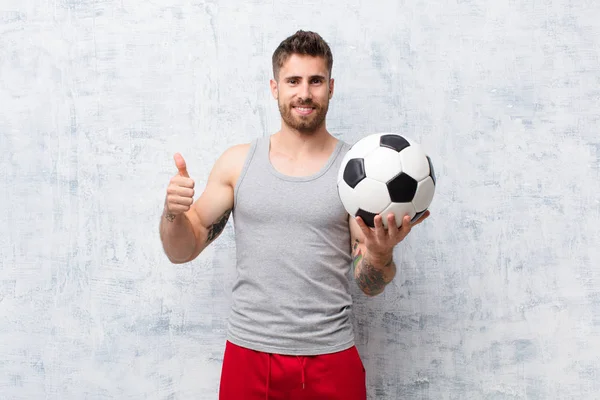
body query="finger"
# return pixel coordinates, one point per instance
(180, 191)
(379, 229)
(366, 230)
(186, 201)
(181, 166)
(406, 226)
(176, 207)
(180, 181)
(392, 226)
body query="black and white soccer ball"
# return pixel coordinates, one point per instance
(386, 173)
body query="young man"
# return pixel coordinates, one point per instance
(289, 332)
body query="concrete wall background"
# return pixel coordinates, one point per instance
(499, 293)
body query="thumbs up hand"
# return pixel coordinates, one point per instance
(180, 192)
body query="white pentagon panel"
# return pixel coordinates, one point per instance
(368, 143)
(414, 162)
(399, 210)
(382, 164)
(348, 197)
(371, 195)
(424, 195)
(364, 145)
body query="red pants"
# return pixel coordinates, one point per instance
(252, 375)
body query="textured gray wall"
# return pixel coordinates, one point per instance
(498, 296)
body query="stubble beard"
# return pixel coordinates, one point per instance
(304, 124)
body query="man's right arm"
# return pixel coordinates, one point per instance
(186, 234)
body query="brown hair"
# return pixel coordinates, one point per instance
(305, 43)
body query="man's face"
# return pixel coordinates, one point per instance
(303, 91)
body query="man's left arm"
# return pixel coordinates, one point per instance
(373, 251)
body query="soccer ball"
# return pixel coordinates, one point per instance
(386, 173)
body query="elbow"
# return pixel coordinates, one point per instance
(370, 290)
(181, 257)
(175, 260)
(186, 259)
(373, 285)
(372, 293)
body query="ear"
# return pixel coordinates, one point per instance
(274, 89)
(331, 86)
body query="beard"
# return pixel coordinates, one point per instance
(303, 123)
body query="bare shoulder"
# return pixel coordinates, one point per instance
(229, 165)
(237, 152)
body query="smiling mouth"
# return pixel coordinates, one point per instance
(304, 110)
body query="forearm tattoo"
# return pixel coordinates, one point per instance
(215, 229)
(370, 278)
(357, 255)
(170, 217)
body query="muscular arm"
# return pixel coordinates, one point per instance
(372, 272)
(186, 235)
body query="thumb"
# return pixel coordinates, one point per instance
(181, 167)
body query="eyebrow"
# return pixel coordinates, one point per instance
(310, 77)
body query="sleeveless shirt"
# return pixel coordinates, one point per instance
(291, 293)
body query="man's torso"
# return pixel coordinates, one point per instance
(293, 250)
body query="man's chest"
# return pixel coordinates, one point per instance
(298, 167)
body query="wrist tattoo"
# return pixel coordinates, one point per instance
(170, 217)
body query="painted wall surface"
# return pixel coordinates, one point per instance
(498, 294)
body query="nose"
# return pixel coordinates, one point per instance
(304, 92)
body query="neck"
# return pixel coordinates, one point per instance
(293, 140)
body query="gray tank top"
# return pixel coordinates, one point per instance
(291, 294)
